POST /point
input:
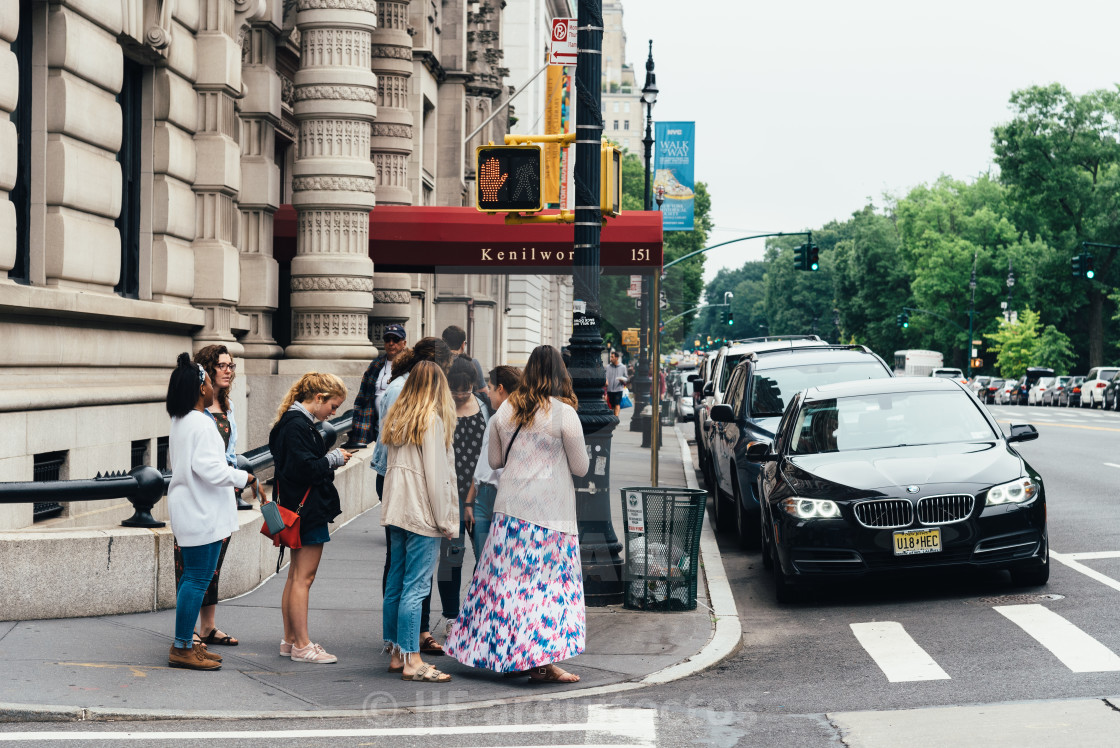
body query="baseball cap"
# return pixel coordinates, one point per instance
(395, 330)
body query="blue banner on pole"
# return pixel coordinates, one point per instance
(674, 172)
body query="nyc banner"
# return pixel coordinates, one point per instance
(674, 167)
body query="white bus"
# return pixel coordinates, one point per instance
(915, 363)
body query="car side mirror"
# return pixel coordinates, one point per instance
(722, 413)
(697, 386)
(693, 377)
(709, 389)
(760, 452)
(1022, 432)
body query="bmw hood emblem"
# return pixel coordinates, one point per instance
(911, 489)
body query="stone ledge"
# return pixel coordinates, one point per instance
(40, 301)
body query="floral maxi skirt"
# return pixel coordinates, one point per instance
(524, 608)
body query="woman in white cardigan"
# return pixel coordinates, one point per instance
(200, 501)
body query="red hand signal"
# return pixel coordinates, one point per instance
(490, 179)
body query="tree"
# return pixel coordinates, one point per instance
(1060, 158)
(1026, 343)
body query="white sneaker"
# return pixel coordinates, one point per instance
(285, 648)
(312, 653)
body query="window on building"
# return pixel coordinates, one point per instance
(140, 452)
(162, 444)
(128, 224)
(626, 107)
(21, 118)
(616, 107)
(627, 125)
(47, 467)
(616, 124)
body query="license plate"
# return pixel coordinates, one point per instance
(909, 542)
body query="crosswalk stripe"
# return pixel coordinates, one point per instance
(1079, 652)
(896, 653)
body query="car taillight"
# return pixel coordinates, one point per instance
(1077, 390)
(1102, 384)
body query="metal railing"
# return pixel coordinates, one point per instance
(144, 485)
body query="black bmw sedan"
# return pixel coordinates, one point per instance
(885, 475)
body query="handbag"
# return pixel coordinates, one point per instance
(626, 401)
(282, 525)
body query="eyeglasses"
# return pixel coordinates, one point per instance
(391, 339)
(225, 367)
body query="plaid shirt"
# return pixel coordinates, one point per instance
(365, 414)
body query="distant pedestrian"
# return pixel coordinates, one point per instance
(427, 349)
(305, 484)
(374, 384)
(456, 339)
(200, 503)
(525, 609)
(472, 414)
(420, 507)
(617, 377)
(219, 366)
(479, 506)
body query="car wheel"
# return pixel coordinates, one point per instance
(746, 523)
(784, 590)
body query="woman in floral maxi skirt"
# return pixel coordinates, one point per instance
(524, 610)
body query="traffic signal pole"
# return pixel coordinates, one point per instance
(599, 547)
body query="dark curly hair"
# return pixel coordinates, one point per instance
(208, 357)
(183, 389)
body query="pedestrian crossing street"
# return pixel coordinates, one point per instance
(903, 659)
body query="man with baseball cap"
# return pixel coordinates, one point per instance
(374, 383)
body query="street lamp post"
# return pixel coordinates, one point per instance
(1010, 285)
(643, 385)
(599, 546)
(971, 311)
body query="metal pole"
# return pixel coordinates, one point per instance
(638, 419)
(971, 311)
(499, 110)
(599, 546)
(655, 393)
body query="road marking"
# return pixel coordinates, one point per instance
(896, 653)
(1079, 652)
(1067, 425)
(1090, 555)
(1068, 560)
(1112, 464)
(636, 725)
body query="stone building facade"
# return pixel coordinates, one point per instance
(145, 147)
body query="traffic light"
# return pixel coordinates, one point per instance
(903, 320)
(1077, 269)
(610, 180)
(730, 316)
(1087, 267)
(812, 261)
(509, 178)
(799, 257)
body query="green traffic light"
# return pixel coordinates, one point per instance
(814, 266)
(1090, 274)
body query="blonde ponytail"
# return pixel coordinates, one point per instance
(309, 385)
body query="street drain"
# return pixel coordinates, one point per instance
(1019, 599)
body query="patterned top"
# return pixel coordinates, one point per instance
(468, 447)
(537, 483)
(223, 427)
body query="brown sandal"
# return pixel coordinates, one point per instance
(552, 674)
(430, 646)
(427, 674)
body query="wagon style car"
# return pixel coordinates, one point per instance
(892, 475)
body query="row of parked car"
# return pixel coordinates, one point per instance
(1100, 388)
(791, 434)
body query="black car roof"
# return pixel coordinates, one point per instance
(882, 387)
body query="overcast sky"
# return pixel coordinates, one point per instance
(806, 109)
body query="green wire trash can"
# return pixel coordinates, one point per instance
(663, 528)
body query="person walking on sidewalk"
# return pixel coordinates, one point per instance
(372, 389)
(456, 339)
(525, 608)
(420, 507)
(305, 484)
(472, 414)
(427, 349)
(617, 376)
(200, 503)
(219, 366)
(479, 506)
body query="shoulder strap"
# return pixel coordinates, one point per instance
(510, 445)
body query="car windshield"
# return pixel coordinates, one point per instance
(771, 388)
(897, 419)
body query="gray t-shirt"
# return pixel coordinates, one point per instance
(616, 377)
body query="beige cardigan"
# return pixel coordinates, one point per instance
(420, 493)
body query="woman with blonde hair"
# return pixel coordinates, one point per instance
(305, 485)
(525, 608)
(420, 507)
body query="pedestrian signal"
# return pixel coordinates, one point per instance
(509, 178)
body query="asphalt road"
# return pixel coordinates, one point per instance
(968, 659)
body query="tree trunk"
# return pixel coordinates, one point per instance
(1096, 327)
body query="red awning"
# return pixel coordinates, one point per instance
(463, 240)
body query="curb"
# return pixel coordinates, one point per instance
(725, 640)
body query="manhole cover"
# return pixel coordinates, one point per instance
(1019, 599)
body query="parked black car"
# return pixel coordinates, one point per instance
(1070, 397)
(894, 475)
(1111, 401)
(757, 393)
(989, 395)
(1034, 373)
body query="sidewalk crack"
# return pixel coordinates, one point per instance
(1110, 705)
(11, 628)
(277, 687)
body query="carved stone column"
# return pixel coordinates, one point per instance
(391, 142)
(392, 301)
(260, 190)
(333, 181)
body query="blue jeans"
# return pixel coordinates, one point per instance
(413, 562)
(483, 513)
(199, 562)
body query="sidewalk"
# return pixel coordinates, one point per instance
(97, 668)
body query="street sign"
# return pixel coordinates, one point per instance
(635, 291)
(630, 337)
(562, 46)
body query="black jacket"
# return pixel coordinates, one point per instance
(301, 461)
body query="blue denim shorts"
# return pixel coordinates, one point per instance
(314, 535)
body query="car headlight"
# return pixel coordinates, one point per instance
(1020, 491)
(811, 508)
